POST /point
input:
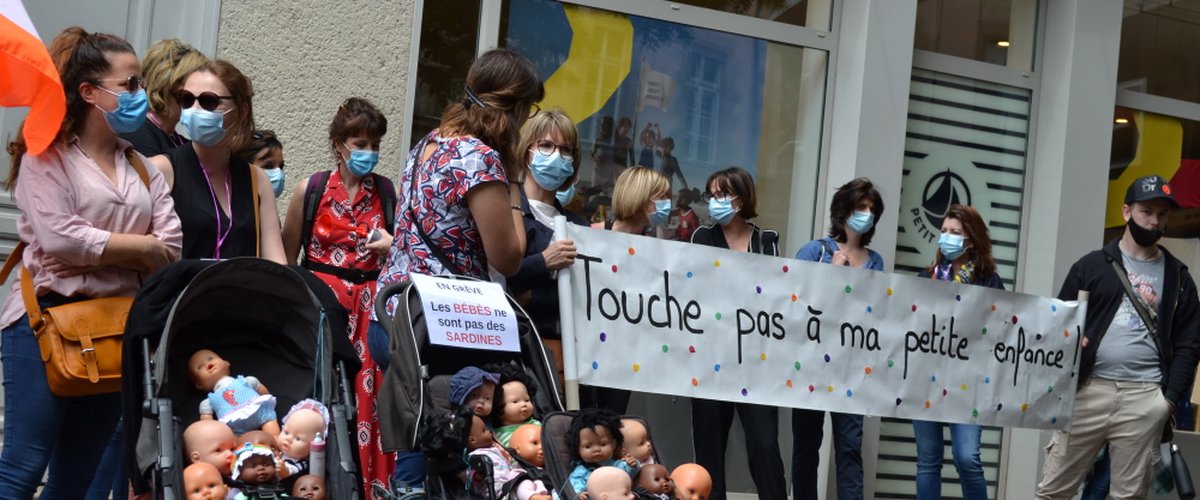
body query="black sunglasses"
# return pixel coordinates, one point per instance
(208, 100)
(132, 84)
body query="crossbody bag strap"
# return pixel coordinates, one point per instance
(412, 216)
(1148, 318)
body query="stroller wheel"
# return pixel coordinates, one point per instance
(399, 493)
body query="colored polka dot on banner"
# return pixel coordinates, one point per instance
(717, 367)
(689, 274)
(945, 393)
(1024, 406)
(1067, 333)
(785, 268)
(1014, 319)
(762, 356)
(1038, 336)
(1049, 389)
(789, 383)
(603, 337)
(1053, 308)
(849, 393)
(849, 289)
(718, 315)
(891, 363)
(716, 263)
(758, 289)
(984, 330)
(933, 378)
(958, 298)
(692, 349)
(898, 401)
(745, 392)
(890, 291)
(595, 365)
(999, 406)
(974, 412)
(869, 309)
(794, 297)
(827, 358)
(964, 387)
(665, 348)
(987, 380)
(636, 368)
(631, 251)
(867, 370)
(797, 365)
(1053, 420)
(928, 404)
(695, 383)
(614, 268)
(914, 308)
(811, 388)
(830, 388)
(993, 307)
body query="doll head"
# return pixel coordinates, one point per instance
(445, 435)
(302, 423)
(513, 400)
(202, 481)
(594, 435)
(259, 438)
(211, 442)
(255, 465)
(527, 441)
(206, 368)
(310, 487)
(609, 483)
(656, 479)
(474, 389)
(480, 436)
(637, 440)
(692, 482)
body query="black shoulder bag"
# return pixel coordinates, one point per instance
(1183, 477)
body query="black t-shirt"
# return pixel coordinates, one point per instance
(149, 140)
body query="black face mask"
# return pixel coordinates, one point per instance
(1142, 236)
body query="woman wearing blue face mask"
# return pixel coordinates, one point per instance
(339, 224)
(853, 213)
(266, 152)
(964, 256)
(224, 204)
(641, 200)
(732, 202)
(551, 146)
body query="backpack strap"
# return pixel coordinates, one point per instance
(312, 198)
(387, 198)
(256, 199)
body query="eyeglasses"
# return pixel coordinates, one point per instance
(132, 84)
(208, 100)
(534, 109)
(719, 195)
(548, 148)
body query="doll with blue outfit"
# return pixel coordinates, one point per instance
(594, 438)
(242, 403)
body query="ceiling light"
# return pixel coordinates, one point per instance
(1002, 43)
(1122, 120)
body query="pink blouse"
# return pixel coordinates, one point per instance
(69, 207)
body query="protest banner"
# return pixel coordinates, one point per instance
(467, 314)
(673, 318)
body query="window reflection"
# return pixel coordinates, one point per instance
(808, 13)
(1157, 48)
(993, 31)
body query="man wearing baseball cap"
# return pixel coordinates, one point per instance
(1133, 372)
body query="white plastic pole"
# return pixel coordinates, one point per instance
(566, 317)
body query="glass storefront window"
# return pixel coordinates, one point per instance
(807, 13)
(1158, 56)
(1146, 143)
(448, 43)
(993, 31)
(644, 91)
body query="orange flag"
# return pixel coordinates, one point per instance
(28, 77)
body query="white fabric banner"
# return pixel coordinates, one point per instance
(674, 318)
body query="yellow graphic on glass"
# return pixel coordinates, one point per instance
(599, 60)
(1159, 151)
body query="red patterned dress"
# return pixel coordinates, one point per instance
(339, 239)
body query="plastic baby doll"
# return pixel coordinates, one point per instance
(654, 482)
(310, 487)
(480, 442)
(242, 403)
(202, 481)
(513, 402)
(637, 441)
(595, 437)
(692, 482)
(473, 388)
(262, 438)
(254, 473)
(302, 423)
(210, 442)
(609, 483)
(527, 442)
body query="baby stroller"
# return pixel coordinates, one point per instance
(559, 458)
(418, 378)
(267, 321)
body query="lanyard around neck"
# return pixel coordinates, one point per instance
(217, 207)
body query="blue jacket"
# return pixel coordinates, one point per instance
(822, 251)
(533, 275)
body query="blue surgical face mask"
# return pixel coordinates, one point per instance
(130, 112)
(202, 126)
(951, 245)
(550, 171)
(721, 210)
(861, 222)
(662, 212)
(361, 161)
(564, 197)
(277, 178)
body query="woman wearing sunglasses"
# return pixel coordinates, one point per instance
(218, 196)
(732, 202)
(344, 244)
(94, 229)
(853, 212)
(165, 66)
(550, 144)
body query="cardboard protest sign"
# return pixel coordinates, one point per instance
(467, 314)
(674, 318)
